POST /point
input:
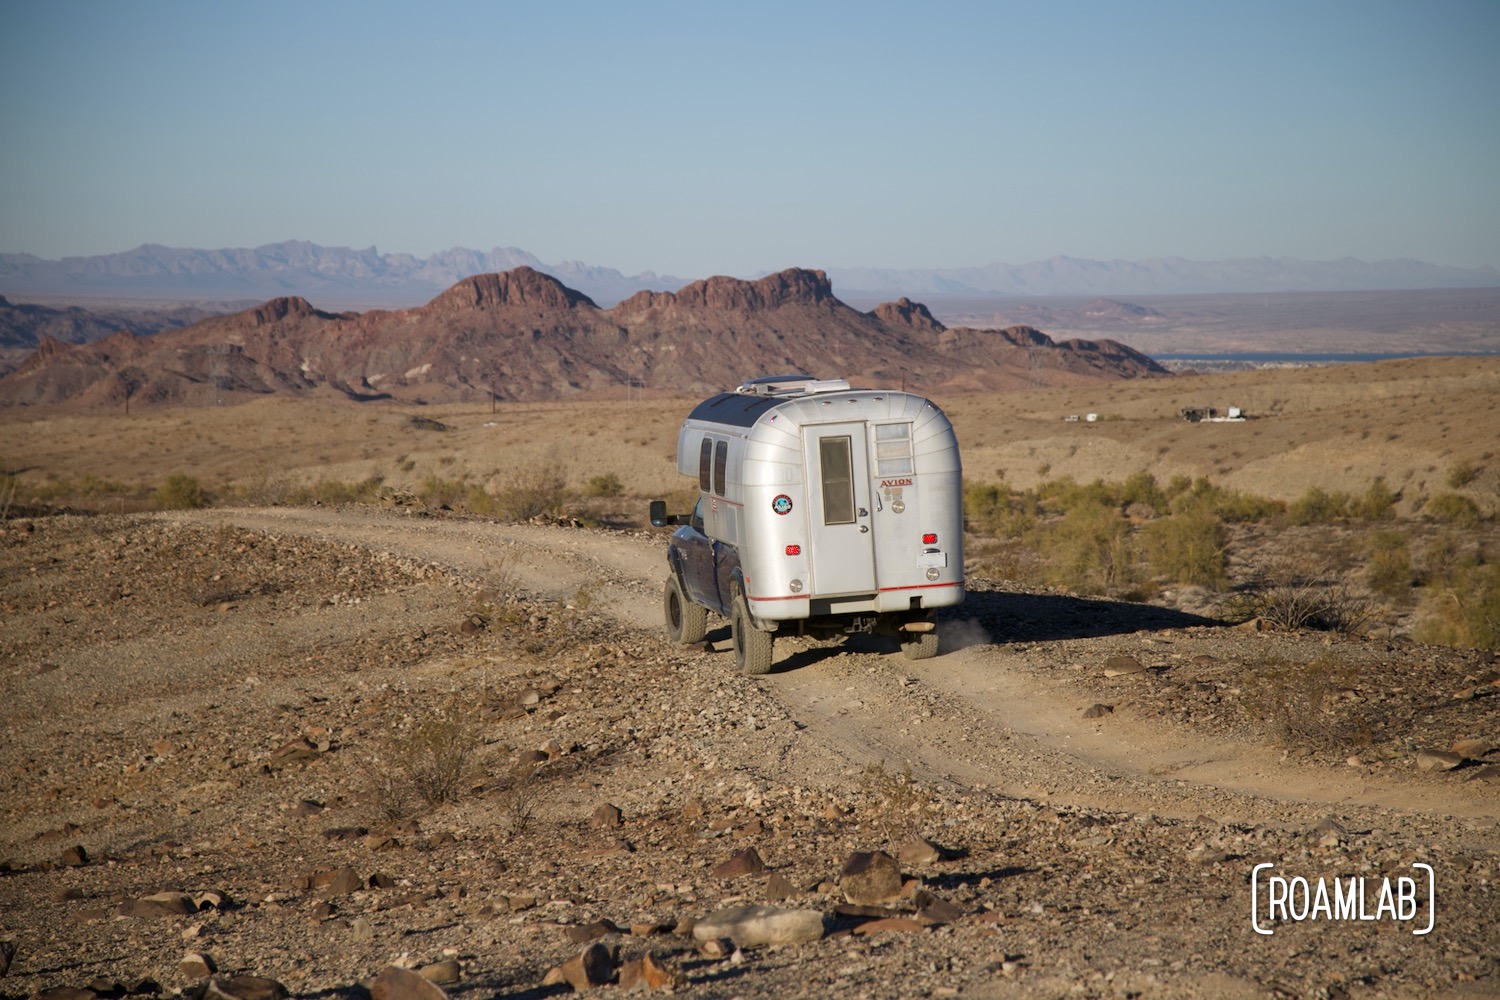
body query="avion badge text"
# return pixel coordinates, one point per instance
(1398, 899)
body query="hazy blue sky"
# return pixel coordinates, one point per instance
(702, 138)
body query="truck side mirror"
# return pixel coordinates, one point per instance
(659, 514)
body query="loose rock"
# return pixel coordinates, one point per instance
(870, 877)
(755, 926)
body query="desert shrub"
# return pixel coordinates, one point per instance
(1388, 569)
(1188, 547)
(436, 491)
(1464, 608)
(478, 500)
(1301, 704)
(334, 491)
(1452, 508)
(1462, 474)
(1318, 506)
(179, 492)
(429, 760)
(533, 490)
(1066, 495)
(86, 487)
(606, 484)
(266, 486)
(1378, 502)
(1089, 550)
(1290, 593)
(993, 509)
(1231, 506)
(1242, 508)
(1140, 487)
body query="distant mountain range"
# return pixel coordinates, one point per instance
(342, 277)
(523, 335)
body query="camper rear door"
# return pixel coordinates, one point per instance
(838, 477)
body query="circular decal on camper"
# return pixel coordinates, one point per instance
(782, 504)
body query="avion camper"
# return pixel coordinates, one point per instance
(822, 510)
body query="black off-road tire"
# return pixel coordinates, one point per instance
(752, 647)
(919, 645)
(686, 622)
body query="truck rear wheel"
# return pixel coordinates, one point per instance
(752, 647)
(686, 622)
(919, 645)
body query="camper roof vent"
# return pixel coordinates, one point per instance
(791, 385)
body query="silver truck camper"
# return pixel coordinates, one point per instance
(822, 510)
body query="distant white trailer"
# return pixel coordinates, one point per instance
(822, 510)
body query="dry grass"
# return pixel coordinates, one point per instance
(429, 760)
(1305, 704)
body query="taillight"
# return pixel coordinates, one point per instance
(794, 550)
(930, 538)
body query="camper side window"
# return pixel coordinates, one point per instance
(893, 450)
(705, 457)
(721, 465)
(836, 470)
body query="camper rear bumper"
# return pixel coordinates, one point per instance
(886, 601)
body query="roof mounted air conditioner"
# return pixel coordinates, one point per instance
(791, 385)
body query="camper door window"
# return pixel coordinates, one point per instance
(837, 461)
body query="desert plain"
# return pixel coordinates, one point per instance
(283, 746)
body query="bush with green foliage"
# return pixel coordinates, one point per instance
(1089, 549)
(1462, 607)
(1188, 547)
(1388, 567)
(1378, 502)
(1318, 506)
(1452, 508)
(332, 491)
(179, 492)
(604, 485)
(994, 509)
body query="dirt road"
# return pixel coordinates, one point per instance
(989, 712)
(211, 700)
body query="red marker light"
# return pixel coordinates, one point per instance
(930, 538)
(794, 550)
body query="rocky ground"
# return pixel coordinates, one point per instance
(307, 746)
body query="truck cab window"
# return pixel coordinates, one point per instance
(836, 465)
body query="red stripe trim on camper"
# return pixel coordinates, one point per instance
(920, 586)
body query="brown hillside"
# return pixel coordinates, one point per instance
(522, 335)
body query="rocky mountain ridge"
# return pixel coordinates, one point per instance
(524, 335)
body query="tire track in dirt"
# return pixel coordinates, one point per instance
(973, 716)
